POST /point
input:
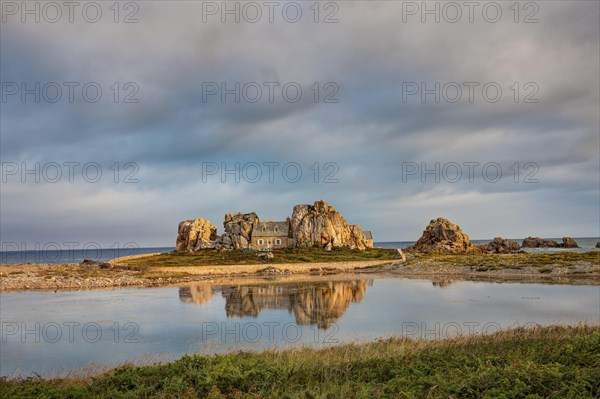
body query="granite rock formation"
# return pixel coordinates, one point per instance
(195, 234)
(238, 231)
(537, 242)
(321, 225)
(318, 225)
(501, 246)
(443, 236)
(568, 242)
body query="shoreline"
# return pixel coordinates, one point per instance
(438, 268)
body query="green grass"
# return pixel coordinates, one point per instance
(212, 257)
(553, 362)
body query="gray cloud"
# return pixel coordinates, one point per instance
(369, 133)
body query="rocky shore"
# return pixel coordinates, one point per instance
(443, 250)
(568, 268)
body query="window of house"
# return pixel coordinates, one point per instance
(264, 229)
(276, 228)
(278, 241)
(269, 242)
(260, 242)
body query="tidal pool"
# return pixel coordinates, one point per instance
(52, 334)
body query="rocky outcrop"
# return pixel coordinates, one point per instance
(598, 244)
(238, 231)
(537, 242)
(321, 225)
(195, 234)
(443, 236)
(501, 246)
(318, 225)
(568, 242)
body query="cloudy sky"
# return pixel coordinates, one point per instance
(488, 116)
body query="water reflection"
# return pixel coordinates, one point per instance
(444, 282)
(199, 293)
(320, 303)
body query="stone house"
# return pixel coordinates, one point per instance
(369, 238)
(272, 235)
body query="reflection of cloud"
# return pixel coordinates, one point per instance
(199, 294)
(319, 303)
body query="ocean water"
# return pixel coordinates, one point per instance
(74, 255)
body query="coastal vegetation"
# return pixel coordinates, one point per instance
(300, 255)
(561, 362)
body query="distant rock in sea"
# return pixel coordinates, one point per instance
(537, 242)
(568, 242)
(501, 246)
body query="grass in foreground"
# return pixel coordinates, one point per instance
(553, 362)
(212, 257)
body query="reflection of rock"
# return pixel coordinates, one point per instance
(441, 235)
(318, 303)
(322, 305)
(501, 246)
(199, 294)
(442, 282)
(195, 234)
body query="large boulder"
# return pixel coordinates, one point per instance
(501, 246)
(598, 244)
(443, 236)
(238, 229)
(194, 235)
(537, 242)
(321, 225)
(568, 242)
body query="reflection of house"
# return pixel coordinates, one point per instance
(272, 235)
(319, 303)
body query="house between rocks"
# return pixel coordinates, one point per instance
(319, 225)
(272, 235)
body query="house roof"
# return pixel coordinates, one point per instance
(271, 229)
(368, 234)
